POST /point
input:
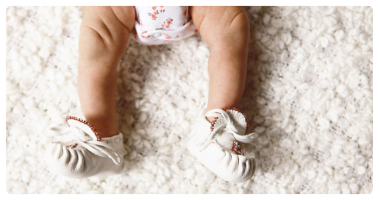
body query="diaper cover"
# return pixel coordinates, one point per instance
(162, 24)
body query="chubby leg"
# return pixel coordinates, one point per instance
(104, 34)
(226, 31)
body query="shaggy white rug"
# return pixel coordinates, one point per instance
(309, 94)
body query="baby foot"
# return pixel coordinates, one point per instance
(89, 155)
(217, 147)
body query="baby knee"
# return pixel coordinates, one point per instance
(112, 25)
(226, 24)
(239, 21)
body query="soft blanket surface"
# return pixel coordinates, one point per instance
(309, 95)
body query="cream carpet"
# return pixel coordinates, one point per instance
(309, 94)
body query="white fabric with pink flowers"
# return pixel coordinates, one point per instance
(162, 24)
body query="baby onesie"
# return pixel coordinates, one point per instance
(162, 24)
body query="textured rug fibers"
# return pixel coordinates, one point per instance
(309, 96)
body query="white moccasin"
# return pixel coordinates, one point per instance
(86, 156)
(216, 145)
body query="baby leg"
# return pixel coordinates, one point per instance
(104, 34)
(217, 145)
(226, 31)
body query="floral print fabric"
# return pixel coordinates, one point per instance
(162, 24)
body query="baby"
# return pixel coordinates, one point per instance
(218, 134)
